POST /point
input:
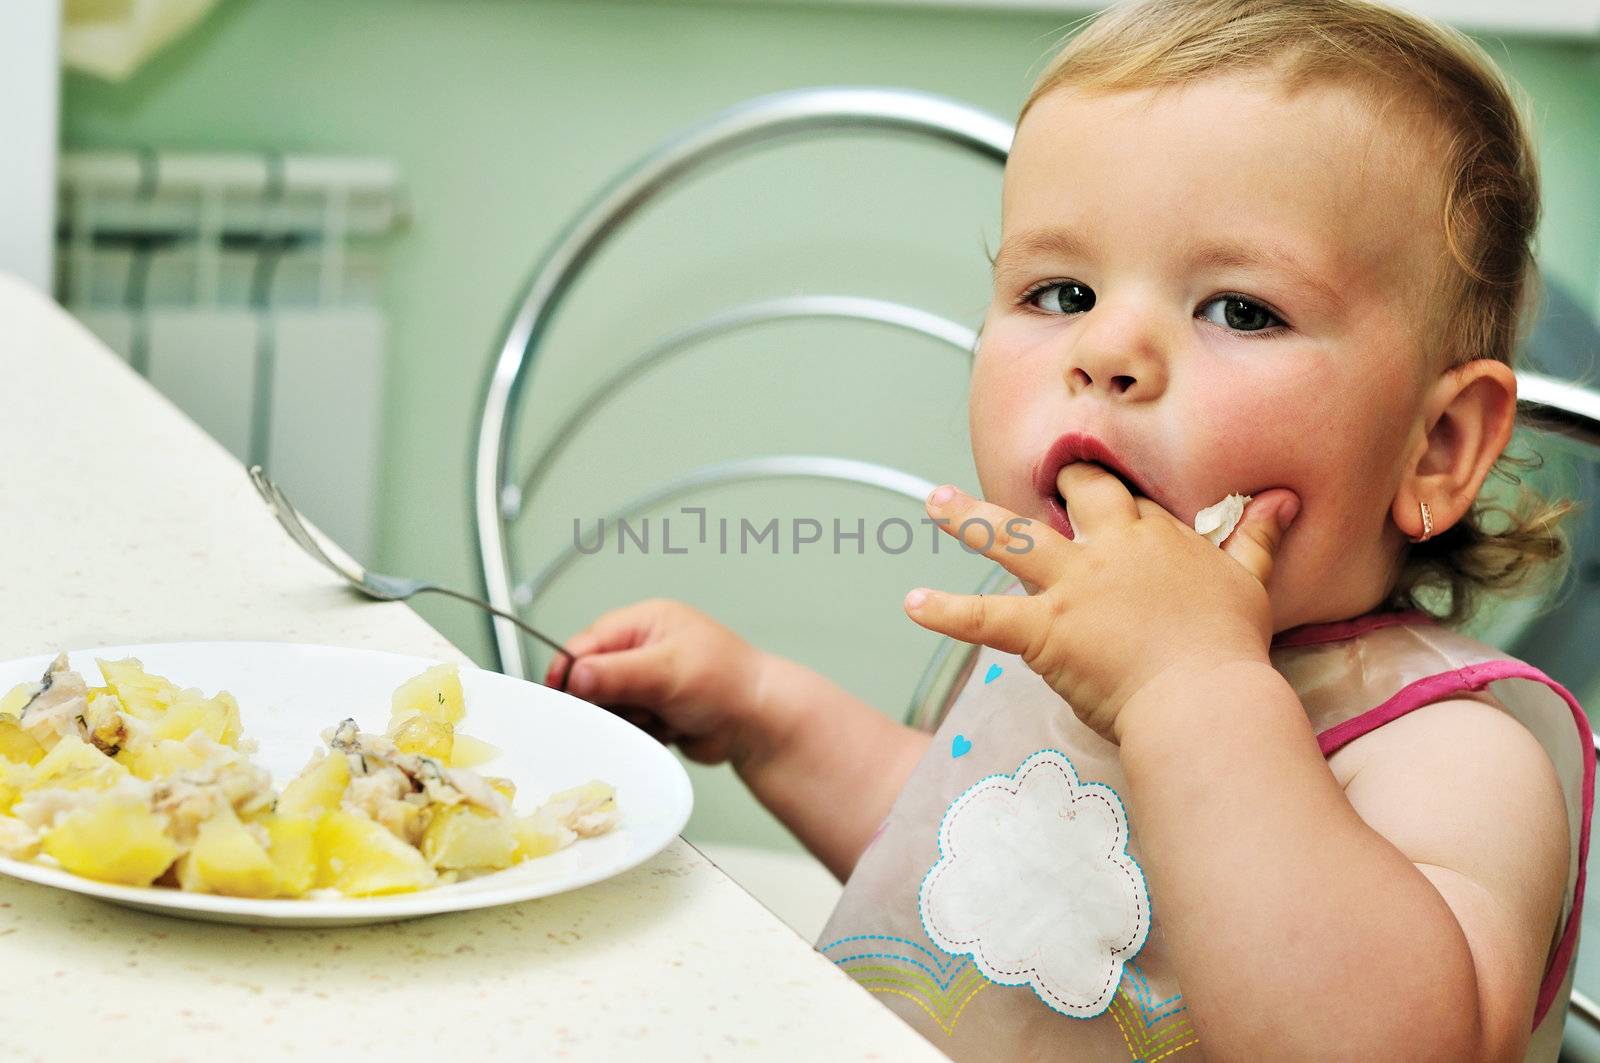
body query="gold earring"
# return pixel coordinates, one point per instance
(1427, 523)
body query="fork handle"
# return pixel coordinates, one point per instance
(535, 632)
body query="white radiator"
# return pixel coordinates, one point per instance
(246, 289)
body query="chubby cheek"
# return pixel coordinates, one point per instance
(1255, 447)
(1239, 441)
(1004, 400)
(1312, 434)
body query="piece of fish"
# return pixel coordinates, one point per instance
(58, 709)
(190, 798)
(374, 753)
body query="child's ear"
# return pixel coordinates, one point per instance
(1468, 415)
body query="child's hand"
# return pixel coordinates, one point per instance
(1137, 594)
(672, 671)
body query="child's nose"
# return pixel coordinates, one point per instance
(1120, 362)
(1121, 382)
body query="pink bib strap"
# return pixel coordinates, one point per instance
(1339, 630)
(1475, 677)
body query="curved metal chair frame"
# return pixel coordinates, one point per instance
(498, 497)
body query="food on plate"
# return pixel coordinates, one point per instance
(422, 718)
(141, 782)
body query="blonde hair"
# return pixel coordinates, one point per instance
(1479, 306)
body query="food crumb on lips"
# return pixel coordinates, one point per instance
(1217, 522)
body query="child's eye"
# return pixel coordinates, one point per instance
(1239, 313)
(1242, 314)
(1069, 297)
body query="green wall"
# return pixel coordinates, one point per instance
(505, 116)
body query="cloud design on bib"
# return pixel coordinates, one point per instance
(1034, 880)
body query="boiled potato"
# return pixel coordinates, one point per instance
(158, 758)
(425, 736)
(217, 718)
(227, 858)
(469, 752)
(318, 788)
(435, 693)
(14, 779)
(116, 840)
(17, 745)
(540, 834)
(293, 852)
(460, 837)
(360, 858)
(15, 698)
(145, 696)
(74, 764)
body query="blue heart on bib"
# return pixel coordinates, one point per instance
(993, 673)
(960, 746)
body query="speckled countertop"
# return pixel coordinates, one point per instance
(121, 521)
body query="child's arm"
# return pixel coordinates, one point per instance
(822, 760)
(828, 764)
(1407, 914)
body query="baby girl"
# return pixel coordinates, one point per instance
(1259, 800)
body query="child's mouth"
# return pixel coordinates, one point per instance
(1068, 449)
(1056, 506)
(1056, 509)
(1215, 522)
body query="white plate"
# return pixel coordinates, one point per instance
(289, 692)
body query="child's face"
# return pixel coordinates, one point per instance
(1200, 395)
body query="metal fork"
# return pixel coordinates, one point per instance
(376, 584)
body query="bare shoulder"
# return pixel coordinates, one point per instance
(1470, 796)
(1458, 778)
